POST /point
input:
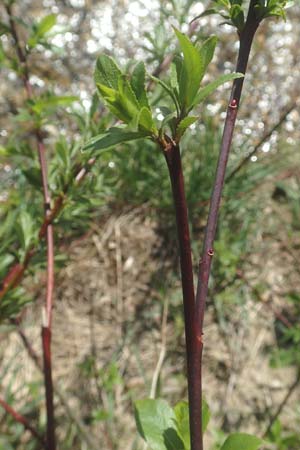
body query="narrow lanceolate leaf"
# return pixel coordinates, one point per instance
(183, 422)
(211, 87)
(242, 441)
(184, 124)
(192, 71)
(207, 50)
(112, 137)
(107, 72)
(138, 84)
(155, 421)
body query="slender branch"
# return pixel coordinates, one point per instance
(246, 39)
(46, 329)
(262, 140)
(193, 345)
(21, 419)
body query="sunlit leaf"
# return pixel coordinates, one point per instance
(242, 441)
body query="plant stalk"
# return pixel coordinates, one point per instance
(246, 39)
(193, 345)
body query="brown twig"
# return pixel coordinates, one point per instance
(21, 419)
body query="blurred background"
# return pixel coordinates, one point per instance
(118, 331)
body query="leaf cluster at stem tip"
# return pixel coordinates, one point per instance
(234, 14)
(126, 97)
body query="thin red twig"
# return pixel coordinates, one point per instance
(21, 419)
(46, 330)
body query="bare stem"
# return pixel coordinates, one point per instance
(193, 344)
(246, 39)
(46, 329)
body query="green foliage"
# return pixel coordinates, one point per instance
(238, 441)
(234, 13)
(127, 99)
(40, 30)
(164, 428)
(283, 440)
(183, 421)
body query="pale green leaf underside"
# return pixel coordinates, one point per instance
(155, 421)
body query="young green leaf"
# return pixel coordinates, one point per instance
(192, 71)
(146, 122)
(118, 103)
(211, 87)
(40, 29)
(242, 441)
(49, 102)
(112, 137)
(184, 124)
(237, 16)
(138, 84)
(183, 423)
(207, 50)
(155, 421)
(107, 72)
